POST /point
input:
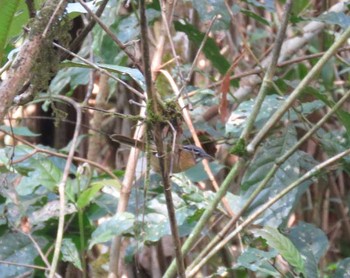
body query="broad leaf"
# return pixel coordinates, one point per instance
(268, 5)
(156, 223)
(20, 130)
(49, 211)
(70, 253)
(343, 269)
(287, 173)
(238, 117)
(257, 261)
(76, 9)
(116, 226)
(45, 173)
(284, 247)
(210, 49)
(339, 18)
(207, 9)
(88, 195)
(8, 9)
(255, 16)
(135, 74)
(18, 248)
(312, 243)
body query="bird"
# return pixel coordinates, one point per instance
(182, 158)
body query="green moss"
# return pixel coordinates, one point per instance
(239, 148)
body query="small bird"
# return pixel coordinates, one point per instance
(183, 158)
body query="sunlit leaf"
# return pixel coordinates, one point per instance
(8, 9)
(88, 195)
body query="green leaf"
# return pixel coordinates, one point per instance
(343, 116)
(8, 9)
(116, 226)
(76, 9)
(258, 261)
(312, 243)
(210, 49)
(334, 142)
(88, 195)
(299, 6)
(73, 76)
(338, 18)
(284, 246)
(70, 253)
(287, 173)
(27, 159)
(45, 173)
(197, 173)
(328, 75)
(18, 248)
(129, 28)
(156, 219)
(207, 9)
(67, 148)
(49, 211)
(308, 237)
(20, 131)
(239, 116)
(268, 5)
(132, 72)
(342, 269)
(255, 16)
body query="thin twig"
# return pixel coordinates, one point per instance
(194, 62)
(37, 247)
(99, 69)
(269, 73)
(62, 184)
(171, 42)
(90, 86)
(279, 65)
(52, 18)
(297, 91)
(313, 172)
(23, 265)
(111, 35)
(81, 36)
